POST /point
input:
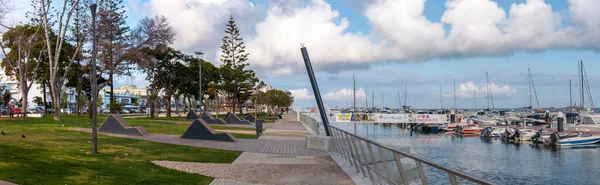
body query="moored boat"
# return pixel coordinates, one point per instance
(468, 130)
(571, 139)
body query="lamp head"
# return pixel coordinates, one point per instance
(199, 54)
(93, 4)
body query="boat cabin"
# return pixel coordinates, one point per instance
(590, 120)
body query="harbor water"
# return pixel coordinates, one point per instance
(490, 159)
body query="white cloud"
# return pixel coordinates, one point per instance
(301, 94)
(469, 89)
(399, 31)
(345, 94)
(340, 95)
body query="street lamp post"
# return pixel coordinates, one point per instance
(200, 55)
(93, 5)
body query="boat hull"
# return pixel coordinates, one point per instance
(579, 141)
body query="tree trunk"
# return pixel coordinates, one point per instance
(177, 106)
(112, 94)
(240, 107)
(168, 106)
(24, 92)
(44, 98)
(55, 91)
(77, 105)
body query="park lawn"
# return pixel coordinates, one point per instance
(51, 154)
(161, 127)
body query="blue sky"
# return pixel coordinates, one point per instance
(281, 66)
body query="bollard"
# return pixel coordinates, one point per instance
(560, 120)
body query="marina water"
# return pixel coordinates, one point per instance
(491, 159)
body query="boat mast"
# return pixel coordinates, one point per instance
(487, 87)
(570, 94)
(399, 99)
(553, 93)
(441, 98)
(373, 99)
(354, 91)
(454, 95)
(382, 99)
(366, 99)
(582, 103)
(474, 99)
(405, 102)
(530, 95)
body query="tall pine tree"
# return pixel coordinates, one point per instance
(113, 42)
(238, 82)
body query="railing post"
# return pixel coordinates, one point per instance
(347, 138)
(400, 168)
(344, 147)
(360, 162)
(452, 179)
(336, 140)
(385, 166)
(421, 172)
(364, 155)
(374, 162)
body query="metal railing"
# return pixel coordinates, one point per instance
(311, 123)
(368, 156)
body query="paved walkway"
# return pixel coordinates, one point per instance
(297, 147)
(279, 156)
(6, 183)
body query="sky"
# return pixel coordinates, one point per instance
(427, 44)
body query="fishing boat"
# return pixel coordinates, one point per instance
(571, 139)
(468, 130)
(452, 127)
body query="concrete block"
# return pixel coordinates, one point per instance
(317, 142)
(191, 115)
(210, 120)
(115, 124)
(233, 119)
(250, 118)
(200, 130)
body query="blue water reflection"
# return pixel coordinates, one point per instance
(491, 159)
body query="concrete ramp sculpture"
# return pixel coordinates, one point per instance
(233, 119)
(210, 120)
(250, 117)
(200, 130)
(191, 115)
(227, 115)
(115, 124)
(253, 119)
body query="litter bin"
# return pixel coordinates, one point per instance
(258, 127)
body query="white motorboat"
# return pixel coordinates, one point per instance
(571, 139)
(492, 132)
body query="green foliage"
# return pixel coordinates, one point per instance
(237, 81)
(38, 101)
(18, 39)
(6, 98)
(64, 98)
(100, 101)
(279, 98)
(116, 106)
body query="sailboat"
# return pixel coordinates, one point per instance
(533, 117)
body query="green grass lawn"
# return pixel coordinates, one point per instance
(51, 154)
(161, 127)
